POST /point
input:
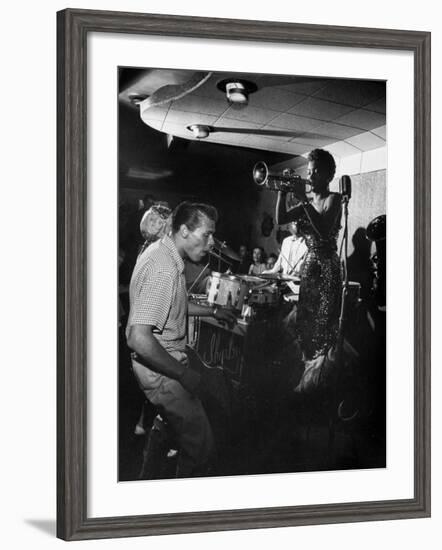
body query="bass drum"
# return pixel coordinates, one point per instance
(226, 290)
(267, 296)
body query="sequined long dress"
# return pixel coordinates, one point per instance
(320, 290)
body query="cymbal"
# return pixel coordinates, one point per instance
(224, 249)
(278, 277)
(251, 279)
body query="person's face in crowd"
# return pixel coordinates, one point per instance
(243, 251)
(199, 241)
(271, 261)
(257, 255)
(293, 228)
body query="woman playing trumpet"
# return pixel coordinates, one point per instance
(319, 221)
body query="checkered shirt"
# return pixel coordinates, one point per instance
(158, 296)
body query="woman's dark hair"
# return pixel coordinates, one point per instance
(190, 214)
(263, 253)
(325, 160)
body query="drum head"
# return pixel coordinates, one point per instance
(251, 279)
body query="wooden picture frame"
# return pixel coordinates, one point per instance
(73, 28)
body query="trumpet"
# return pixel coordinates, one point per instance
(286, 180)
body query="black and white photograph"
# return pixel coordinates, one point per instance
(252, 299)
(220, 249)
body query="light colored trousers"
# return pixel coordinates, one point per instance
(185, 415)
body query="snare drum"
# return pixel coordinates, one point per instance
(222, 289)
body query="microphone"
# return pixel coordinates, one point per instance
(345, 186)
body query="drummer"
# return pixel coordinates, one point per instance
(292, 254)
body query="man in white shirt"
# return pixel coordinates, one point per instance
(291, 257)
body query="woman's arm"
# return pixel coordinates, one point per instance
(324, 221)
(282, 215)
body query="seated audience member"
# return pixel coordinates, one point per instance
(258, 266)
(244, 262)
(271, 261)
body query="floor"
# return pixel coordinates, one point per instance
(272, 434)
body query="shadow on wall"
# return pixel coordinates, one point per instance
(359, 263)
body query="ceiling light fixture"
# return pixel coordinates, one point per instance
(199, 131)
(237, 90)
(136, 99)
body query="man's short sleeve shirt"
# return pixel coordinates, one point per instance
(158, 296)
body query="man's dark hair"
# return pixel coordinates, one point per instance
(326, 162)
(190, 214)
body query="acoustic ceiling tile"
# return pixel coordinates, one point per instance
(337, 131)
(295, 123)
(275, 98)
(250, 114)
(361, 118)
(313, 140)
(352, 92)
(304, 85)
(342, 149)
(320, 109)
(379, 106)
(381, 132)
(193, 103)
(366, 141)
(186, 119)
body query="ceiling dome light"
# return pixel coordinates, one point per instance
(237, 91)
(199, 131)
(136, 99)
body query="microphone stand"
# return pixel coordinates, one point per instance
(220, 259)
(345, 201)
(339, 356)
(198, 278)
(219, 245)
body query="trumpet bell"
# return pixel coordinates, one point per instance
(286, 180)
(260, 173)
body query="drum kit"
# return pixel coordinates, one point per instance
(242, 292)
(247, 295)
